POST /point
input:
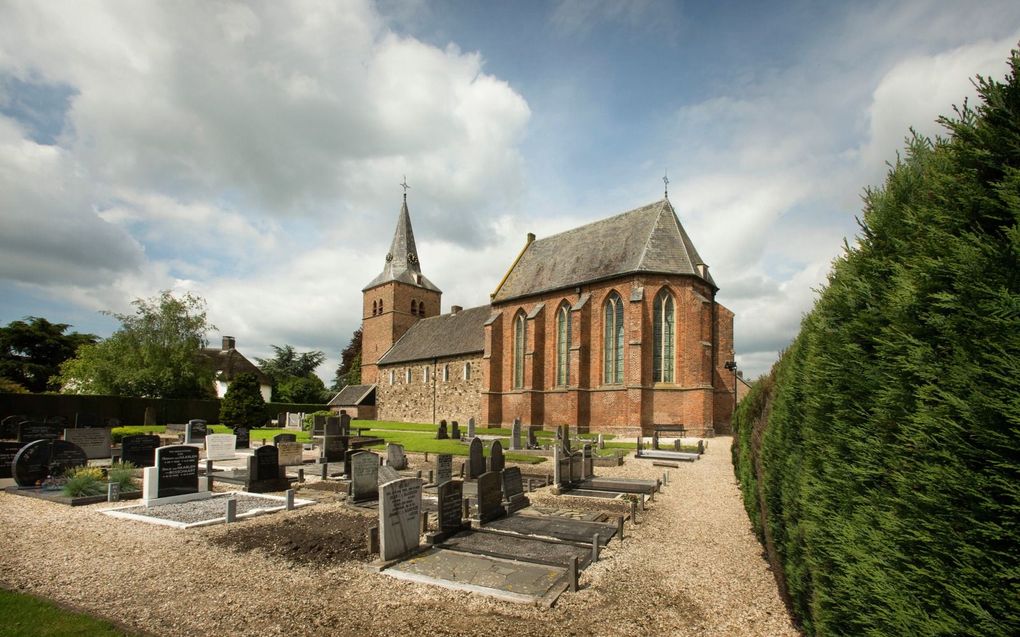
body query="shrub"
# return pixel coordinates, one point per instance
(83, 481)
(122, 473)
(306, 424)
(243, 405)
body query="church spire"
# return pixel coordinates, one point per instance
(402, 259)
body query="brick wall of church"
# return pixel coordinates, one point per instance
(383, 329)
(450, 397)
(702, 340)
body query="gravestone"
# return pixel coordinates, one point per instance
(281, 420)
(455, 430)
(451, 494)
(149, 418)
(31, 431)
(94, 441)
(347, 461)
(294, 421)
(291, 453)
(533, 436)
(471, 427)
(496, 461)
(176, 472)
(441, 432)
(364, 476)
(318, 424)
(333, 444)
(601, 442)
(587, 462)
(513, 490)
(476, 460)
(243, 437)
(42, 459)
(9, 426)
(195, 432)
(515, 435)
(278, 438)
(444, 468)
(264, 471)
(220, 447)
(490, 497)
(399, 518)
(139, 449)
(345, 424)
(87, 419)
(8, 449)
(576, 466)
(387, 474)
(395, 456)
(565, 437)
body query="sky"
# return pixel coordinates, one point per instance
(251, 152)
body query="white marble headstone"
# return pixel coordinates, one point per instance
(220, 446)
(94, 441)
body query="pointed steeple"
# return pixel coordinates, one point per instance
(402, 260)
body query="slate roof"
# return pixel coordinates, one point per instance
(647, 239)
(441, 336)
(353, 395)
(229, 363)
(402, 259)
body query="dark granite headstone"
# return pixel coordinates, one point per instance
(32, 431)
(196, 431)
(318, 424)
(139, 449)
(176, 471)
(264, 464)
(450, 493)
(39, 460)
(476, 460)
(533, 436)
(8, 450)
(444, 468)
(278, 438)
(490, 497)
(513, 484)
(455, 430)
(441, 432)
(496, 461)
(243, 437)
(86, 419)
(281, 420)
(345, 424)
(333, 444)
(9, 426)
(347, 461)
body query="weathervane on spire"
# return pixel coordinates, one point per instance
(404, 185)
(665, 181)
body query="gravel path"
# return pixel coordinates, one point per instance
(691, 567)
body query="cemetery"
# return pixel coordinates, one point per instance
(521, 518)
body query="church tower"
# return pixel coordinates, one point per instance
(396, 299)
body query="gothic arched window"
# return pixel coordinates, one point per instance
(664, 323)
(520, 338)
(612, 344)
(375, 308)
(563, 345)
(380, 306)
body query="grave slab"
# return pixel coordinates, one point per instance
(495, 577)
(556, 528)
(525, 549)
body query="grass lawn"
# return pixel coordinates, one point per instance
(420, 443)
(27, 616)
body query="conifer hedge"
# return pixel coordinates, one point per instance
(880, 458)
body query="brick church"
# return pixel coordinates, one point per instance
(610, 326)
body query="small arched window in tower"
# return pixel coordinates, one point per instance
(414, 306)
(612, 342)
(664, 323)
(375, 308)
(421, 309)
(520, 337)
(380, 306)
(563, 345)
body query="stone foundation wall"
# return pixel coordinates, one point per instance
(447, 395)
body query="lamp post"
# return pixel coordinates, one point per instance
(732, 366)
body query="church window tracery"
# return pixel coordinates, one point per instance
(664, 337)
(563, 346)
(612, 345)
(520, 336)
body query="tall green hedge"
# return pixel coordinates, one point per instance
(880, 459)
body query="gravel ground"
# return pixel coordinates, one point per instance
(202, 510)
(690, 567)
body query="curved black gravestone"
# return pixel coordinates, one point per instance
(8, 449)
(41, 459)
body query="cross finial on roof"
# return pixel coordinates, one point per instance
(665, 181)
(404, 185)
